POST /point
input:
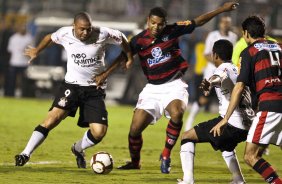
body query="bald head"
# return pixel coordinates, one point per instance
(82, 16)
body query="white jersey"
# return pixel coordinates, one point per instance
(85, 59)
(228, 72)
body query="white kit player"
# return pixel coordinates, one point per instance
(85, 48)
(223, 79)
(222, 33)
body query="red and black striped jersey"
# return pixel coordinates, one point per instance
(261, 68)
(160, 57)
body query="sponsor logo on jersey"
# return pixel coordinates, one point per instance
(158, 57)
(266, 46)
(269, 81)
(81, 60)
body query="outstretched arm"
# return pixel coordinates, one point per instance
(202, 19)
(33, 52)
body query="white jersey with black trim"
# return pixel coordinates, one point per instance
(85, 59)
(228, 74)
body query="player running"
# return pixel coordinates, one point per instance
(236, 130)
(163, 65)
(261, 70)
(85, 47)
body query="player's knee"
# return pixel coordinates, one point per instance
(177, 115)
(98, 134)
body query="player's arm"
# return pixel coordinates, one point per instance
(202, 19)
(100, 79)
(33, 52)
(207, 85)
(234, 102)
(126, 49)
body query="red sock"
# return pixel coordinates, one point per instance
(135, 145)
(267, 172)
(172, 133)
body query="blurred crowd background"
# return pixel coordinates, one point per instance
(32, 19)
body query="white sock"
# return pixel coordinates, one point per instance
(187, 153)
(35, 140)
(233, 165)
(84, 143)
(193, 112)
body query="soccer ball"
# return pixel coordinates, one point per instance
(102, 163)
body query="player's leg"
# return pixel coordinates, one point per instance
(90, 138)
(232, 163)
(93, 114)
(54, 117)
(141, 119)
(187, 154)
(176, 109)
(253, 158)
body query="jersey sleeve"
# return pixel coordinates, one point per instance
(57, 36)
(133, 45)
(112, 36)
(184, 27)
(245, 68)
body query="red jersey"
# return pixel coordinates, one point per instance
(160, 57)
(261, 69)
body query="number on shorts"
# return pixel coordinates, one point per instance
(67, 92)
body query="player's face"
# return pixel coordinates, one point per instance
(82, 29)
(225, 24)
(155, 25)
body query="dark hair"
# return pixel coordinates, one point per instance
(82, 16)
(255, 26)
(158, 11)
(224, 49)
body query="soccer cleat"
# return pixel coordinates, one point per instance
(80, 160)
(165, 165)
(129, 166)
(21, 159)
(237, 182)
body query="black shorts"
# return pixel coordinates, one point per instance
(89, 99)
(229, 139)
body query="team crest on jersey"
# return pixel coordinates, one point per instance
(159, 57)
(165, 38)
(63, 101)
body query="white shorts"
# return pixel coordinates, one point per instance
(266, 128)
(209, 70)
(155, 98)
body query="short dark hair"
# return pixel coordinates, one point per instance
(82, 16)
(255, 26)
(158, 11)
(223, 48)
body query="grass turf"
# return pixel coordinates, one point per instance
(53, 162)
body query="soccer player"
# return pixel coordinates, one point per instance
(236, 131)
(224, 32)
(261, 70)
(85, 47)
(161, 61)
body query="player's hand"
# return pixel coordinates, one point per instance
(218, 129)
(100, 79)
(31, 52)
(229, 6)
(206, 87)
(128, 64)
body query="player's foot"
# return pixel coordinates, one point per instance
(21, 159)
(80, 160)
(129, 165)
(165, 165)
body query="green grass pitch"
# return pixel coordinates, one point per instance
(53, 162)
